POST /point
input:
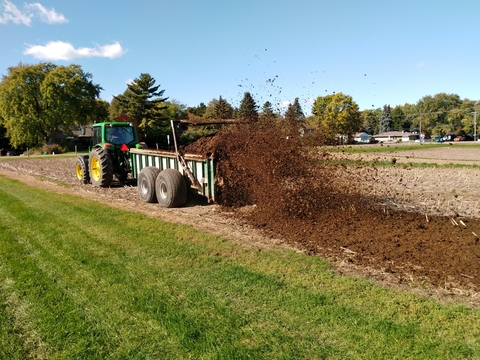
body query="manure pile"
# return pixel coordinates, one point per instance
(323, 209)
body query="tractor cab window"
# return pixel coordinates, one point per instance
(97, 135)
(119, 135)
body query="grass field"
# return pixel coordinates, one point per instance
(79, 280)
(394, 146)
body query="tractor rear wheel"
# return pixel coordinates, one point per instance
(171, 188)
(81, 169)
(101, 167)
(146, 183)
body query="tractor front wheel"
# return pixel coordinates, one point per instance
(146, 183)
(171, 188)
(81, 170)
(101, 168)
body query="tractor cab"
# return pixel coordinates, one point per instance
(112, 134)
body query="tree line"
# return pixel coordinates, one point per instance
(36, 101)
(431, 115)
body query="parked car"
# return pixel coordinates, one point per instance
(438, 139)
(459, 138)
(449, 136)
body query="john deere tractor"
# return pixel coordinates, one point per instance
(109, 154)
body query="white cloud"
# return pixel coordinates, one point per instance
(47, 16)
(11, 12)
(59, 50)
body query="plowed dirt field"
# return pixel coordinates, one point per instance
(411, 228)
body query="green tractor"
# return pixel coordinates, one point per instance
(109, 155)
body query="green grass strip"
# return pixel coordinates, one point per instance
(391, 147)
(82, 280)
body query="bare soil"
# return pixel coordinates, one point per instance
(410, 228)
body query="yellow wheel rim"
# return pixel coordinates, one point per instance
(95, 169)
(79, 171)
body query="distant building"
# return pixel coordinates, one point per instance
(362, 137)
(396, 136)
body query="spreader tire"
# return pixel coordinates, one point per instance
(171, 188)
(101, 168)
(146, 183)
(81, 169)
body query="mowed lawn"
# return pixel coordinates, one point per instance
(81, 280)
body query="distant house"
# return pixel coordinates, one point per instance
(362, 137)
(82, 132)
(76, 135)
(396, 136)
(80, 136)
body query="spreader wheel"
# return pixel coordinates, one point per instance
(171, 188)
(146, 183)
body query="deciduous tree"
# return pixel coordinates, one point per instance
(336, 114)
(369, 120)
(399, 121)
(468, 109)
(197, 110)
(436, 114)
(38, 100)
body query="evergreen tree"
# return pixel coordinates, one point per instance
(222, 109)
(294, 114)
(385, 121)
(267, 114)
(201, 108)
(248, 109)
(143, 102)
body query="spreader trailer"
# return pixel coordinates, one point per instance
(163, 177)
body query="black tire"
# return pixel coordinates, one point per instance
(171, 188)
(81, 169)
(146, 183)
(100, 167)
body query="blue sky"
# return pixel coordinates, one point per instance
(377, 51)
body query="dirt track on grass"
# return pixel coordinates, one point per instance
(405, 227)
